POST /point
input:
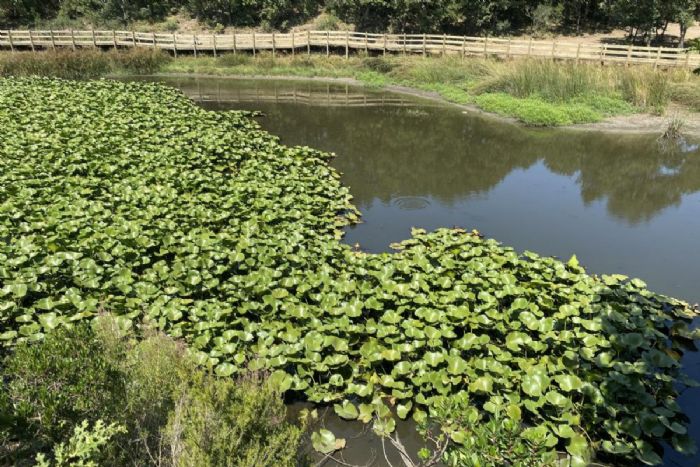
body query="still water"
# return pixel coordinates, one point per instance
(619, 202)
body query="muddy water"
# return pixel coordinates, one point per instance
(620, 203)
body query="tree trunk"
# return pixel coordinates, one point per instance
(681, 38)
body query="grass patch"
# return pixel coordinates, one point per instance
(82, 64)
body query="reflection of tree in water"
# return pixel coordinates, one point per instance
(637, 179)
(396, 151)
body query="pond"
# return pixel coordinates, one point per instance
(620, 202)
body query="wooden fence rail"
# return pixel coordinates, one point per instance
(346, 41)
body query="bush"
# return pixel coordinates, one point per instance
(378, 64)
(56, 384)
(225, 422)
(160, 407)
(237, 59)
(84, 448)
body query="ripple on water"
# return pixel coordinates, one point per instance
(410, 203)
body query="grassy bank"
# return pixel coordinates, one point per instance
(536, 92)
(84, 64)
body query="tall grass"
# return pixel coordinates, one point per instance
(81, 64)
(643, 87)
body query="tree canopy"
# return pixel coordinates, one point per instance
(646, 20)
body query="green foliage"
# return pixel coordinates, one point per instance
(164, 410)
(498, 441)
(537, 112)
(55, 386)
(84, 446)
(219, 421)
(208, 228)
(81, 65)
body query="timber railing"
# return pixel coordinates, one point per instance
(347, 41)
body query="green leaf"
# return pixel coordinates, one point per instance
(325, 442)
(346, 410)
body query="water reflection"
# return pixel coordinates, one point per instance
(430, 152)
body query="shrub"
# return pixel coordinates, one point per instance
(138, 60)
(378, 64)
(84, 448)
(226, 422)
(160, 406)
(56, 384)
(237, 59)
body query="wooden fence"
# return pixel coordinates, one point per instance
(347, 41)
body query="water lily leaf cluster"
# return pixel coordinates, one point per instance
(128, 198)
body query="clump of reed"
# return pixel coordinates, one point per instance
(81, 64)
(644, 87)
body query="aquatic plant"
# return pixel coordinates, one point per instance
(129, 198)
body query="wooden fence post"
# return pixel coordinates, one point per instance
(114, 39)
(274, 51)
(308, 42)
(9, 35)
(486, 46)
(213, 36)
(253, 43)
(72, 37)
(94, 39)
(234, 42)
(328, 43)
(444, 45)
(133, 38)
(464, 47)
(31, 41)
(658, 56)
(385, 44)
(366, 44)
(153, 39)
(629, 55)
(294, 49)
(425, 52)
(175, 44)
(347, 45)
(578, 53)
(53, 40)
(194, 44)
(404, 43)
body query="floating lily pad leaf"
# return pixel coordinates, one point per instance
(533, 384)
(346, 410)
(325, 442)
(616, 447)
(578, 446)
(282, 380)
(225, 369)
(482, 384)
(684, 444)
(568, 383)
(402, 410)
(456, 365)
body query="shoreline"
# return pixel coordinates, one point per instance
(638, 123)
